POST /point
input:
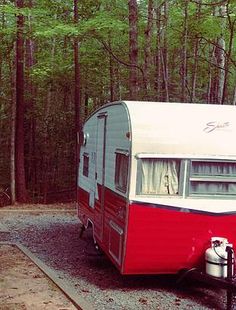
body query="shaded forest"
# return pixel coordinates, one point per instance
(60, 60)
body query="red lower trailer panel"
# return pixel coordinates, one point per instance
(165, 240)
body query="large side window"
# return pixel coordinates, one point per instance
(212, 178)
(121, 171)
(159, 176)
(86, 164)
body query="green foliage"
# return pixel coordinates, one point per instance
(103, 34)
(102, 24)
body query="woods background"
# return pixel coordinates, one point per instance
(60, 60)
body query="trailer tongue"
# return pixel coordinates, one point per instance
(219, 269)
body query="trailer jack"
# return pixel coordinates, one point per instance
(228, 284)
(82, 229)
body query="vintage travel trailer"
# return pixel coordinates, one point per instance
(157, 183)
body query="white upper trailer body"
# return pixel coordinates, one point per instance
(152, 164)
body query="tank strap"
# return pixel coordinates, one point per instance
(218, 264)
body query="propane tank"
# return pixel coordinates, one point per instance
(216, 258)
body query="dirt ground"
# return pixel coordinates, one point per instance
(23, 286)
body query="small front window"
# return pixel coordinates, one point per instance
(86, 164)
(159, 176)
(121, 171)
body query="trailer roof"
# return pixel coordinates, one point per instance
(182, 128)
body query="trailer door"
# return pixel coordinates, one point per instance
(100, 174)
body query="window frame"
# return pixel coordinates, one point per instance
(124, 154)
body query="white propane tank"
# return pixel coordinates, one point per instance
(216, 258)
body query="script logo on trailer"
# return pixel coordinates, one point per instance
(212, 126)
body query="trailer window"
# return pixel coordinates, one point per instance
(212, 178)
(159, 176)
(121, 172)
(86, 164)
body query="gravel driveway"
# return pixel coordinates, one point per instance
(54, 238)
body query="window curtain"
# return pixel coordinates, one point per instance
(159, 176)
(213, 169)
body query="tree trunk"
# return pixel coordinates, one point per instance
(195, 58)
(209, 89)
(13, 136)
(165, 77)
(112, 73)
(147, 47)
(218, 71)
(234, 97)
(77, 73)
(21, 192)
(77, 97)
(133, 48)
(158, 56)
(162, 71)
(1, 52)
(165, 54)
(1, 63)
(221, 64)
(184, 54)
(228, 56)
(30, 124)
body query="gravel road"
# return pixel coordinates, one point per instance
(54, 238)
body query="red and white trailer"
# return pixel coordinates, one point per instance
(157, 181)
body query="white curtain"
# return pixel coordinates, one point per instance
(159, 176)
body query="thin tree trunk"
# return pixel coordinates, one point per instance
(147, 47)
(77, 73)
(165, 54)
(46, 144)
(1, 63)
(158, 55)
(133, 48)
(221, 64)
(21, 192)
(234, 97)
(13, 133)
(112, 73)
(165, 76)
(228, 56)
(209, 90)
(30, 102)
(184, 54)
(195, 58)
(1, 54)
(77, 96)
(194, 74)
(162, 70)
